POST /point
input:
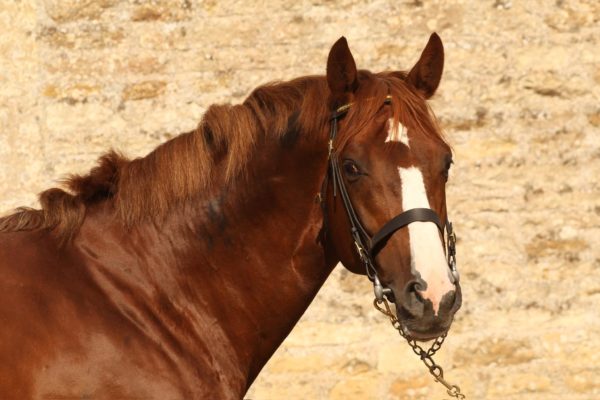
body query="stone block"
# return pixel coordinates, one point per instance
(163, 10)
(411, 387)
(72, 93)
(354, 366)
(85, 36)
(290, 363)
(518, 383)
(71, 10)
(362, 387)
(143, 90)
(496, 352)
(318, 333)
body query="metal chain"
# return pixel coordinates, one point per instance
(425, 355)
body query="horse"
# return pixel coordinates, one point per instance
(177, 275)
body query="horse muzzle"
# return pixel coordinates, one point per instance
(417, 315)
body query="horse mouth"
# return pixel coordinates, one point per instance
(422, 336)
(424, 331)
(425, 328)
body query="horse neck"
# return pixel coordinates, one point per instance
(265, 248)
(245, 260)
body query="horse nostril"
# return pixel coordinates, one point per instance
(413, 289)
(412, 301)
(451, 301)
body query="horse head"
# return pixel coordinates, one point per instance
(390, 162)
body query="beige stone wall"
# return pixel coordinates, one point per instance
(520, 101)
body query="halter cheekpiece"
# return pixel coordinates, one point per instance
(368, 246)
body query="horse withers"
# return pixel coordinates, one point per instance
(177, 275)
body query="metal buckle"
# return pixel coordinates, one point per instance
(452, 253)
(451, 243)
(380, 291)
(454, 270)
(361, 251)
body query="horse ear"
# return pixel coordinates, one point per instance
(341, 70)
(425, 76)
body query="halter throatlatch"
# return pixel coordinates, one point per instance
(368, 247)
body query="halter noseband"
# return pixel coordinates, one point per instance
(366, 246)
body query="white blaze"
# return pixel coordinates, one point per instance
(427, 253)
(394, 135)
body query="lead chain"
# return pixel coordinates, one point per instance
(426, 356)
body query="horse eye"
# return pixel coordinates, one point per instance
(449, 163)
(351, 169)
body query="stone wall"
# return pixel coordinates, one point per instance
(520, 102)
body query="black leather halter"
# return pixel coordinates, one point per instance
(366, 246)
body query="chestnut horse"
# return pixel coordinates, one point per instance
(177, 275)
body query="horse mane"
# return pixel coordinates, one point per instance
(184, 167)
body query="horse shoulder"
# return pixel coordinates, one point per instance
(62, 337)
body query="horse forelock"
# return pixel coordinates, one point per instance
(408, 107)
(184, 167)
